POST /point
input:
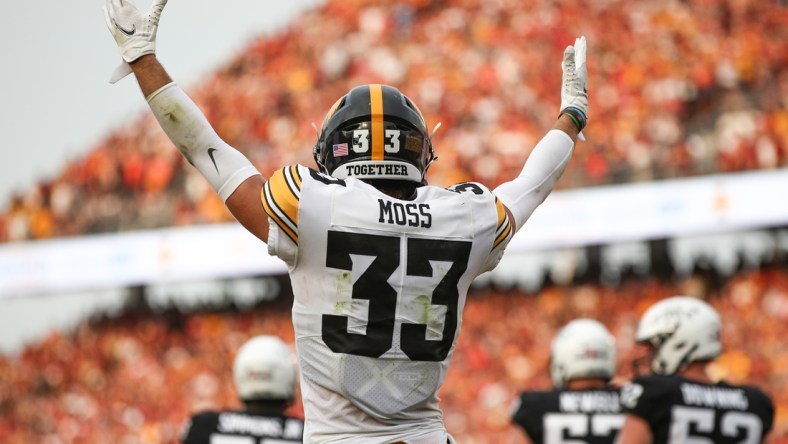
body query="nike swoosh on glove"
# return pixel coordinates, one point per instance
(134, 32)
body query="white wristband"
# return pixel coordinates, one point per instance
(223, 166)
(538, 177)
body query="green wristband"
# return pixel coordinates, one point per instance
(577, 117)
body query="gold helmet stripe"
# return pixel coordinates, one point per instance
(376, 103)
(331, 111)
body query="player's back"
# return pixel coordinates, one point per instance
(238, 427)
(679, 410)
(379, 286)
(591, 416)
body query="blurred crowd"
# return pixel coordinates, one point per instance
(136, 378)
(677, 87)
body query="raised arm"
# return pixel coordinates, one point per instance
(230, 174)
(549, 158)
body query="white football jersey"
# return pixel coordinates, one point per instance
(379, 288)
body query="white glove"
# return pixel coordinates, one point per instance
(134, 32)
(574, 94)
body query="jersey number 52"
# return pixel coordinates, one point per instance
(732, 424)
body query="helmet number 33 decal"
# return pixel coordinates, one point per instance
(361, 141)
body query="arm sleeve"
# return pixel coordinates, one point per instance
(223, 166)
(538, 177)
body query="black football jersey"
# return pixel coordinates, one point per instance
(559, 416)
(238, 427)
(679, 410)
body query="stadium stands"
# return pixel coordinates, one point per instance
(137, 376)
(681, 89)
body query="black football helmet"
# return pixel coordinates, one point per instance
(374, 132)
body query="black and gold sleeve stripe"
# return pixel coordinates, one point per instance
(504, 229)
(280, 196)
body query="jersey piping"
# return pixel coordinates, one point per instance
(281, 196)
(504, 227)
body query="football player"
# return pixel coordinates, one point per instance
(380, 261)
(679, 403)
(583, 406)
(264, 372)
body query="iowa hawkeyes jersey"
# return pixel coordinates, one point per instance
(679, 410)
(238, 427)
(379, 288)
(577, 416)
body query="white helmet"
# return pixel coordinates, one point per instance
(264, 368)
(682, 329)
(584, 348)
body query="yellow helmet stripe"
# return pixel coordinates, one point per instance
(331, 111)
(376, 103)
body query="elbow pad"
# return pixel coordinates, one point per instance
(538, 177)
(223, 166)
